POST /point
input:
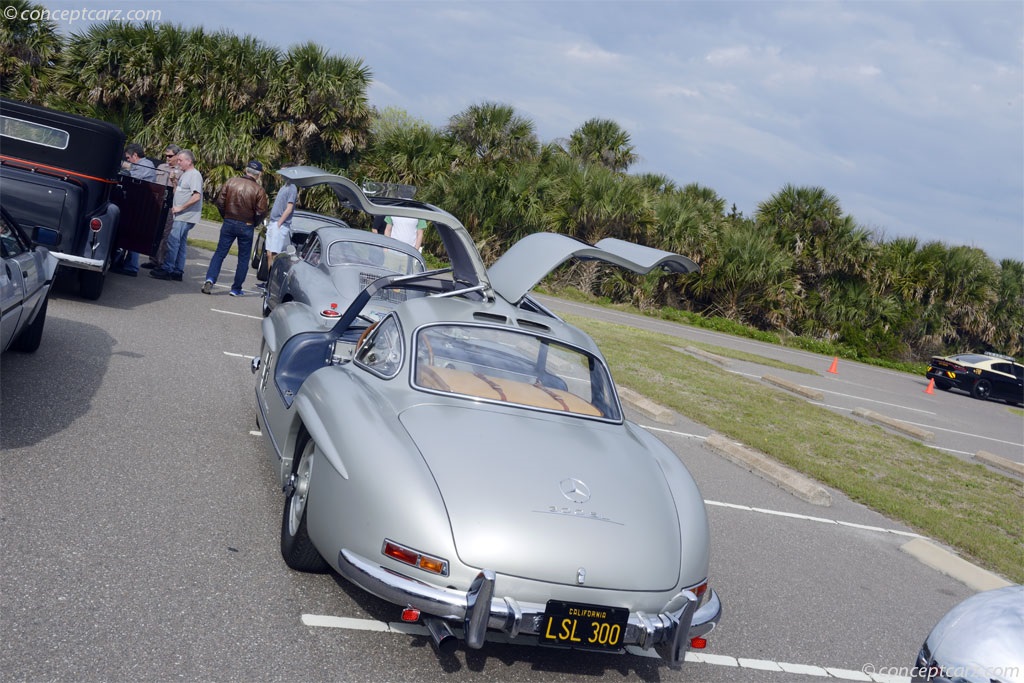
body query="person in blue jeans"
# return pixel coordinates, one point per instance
(243, 204)
(187, 209)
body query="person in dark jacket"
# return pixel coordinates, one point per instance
(243, 204)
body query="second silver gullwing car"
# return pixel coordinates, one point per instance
(465, 457)
(333, 266)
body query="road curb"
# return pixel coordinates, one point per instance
(800, 486)
(1000, 462)
(792, 386)
(898, 425)
(952, 565)
(644, 405)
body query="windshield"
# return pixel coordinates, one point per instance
(344, 252)
(509, 366)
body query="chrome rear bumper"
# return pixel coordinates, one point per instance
(478, 610)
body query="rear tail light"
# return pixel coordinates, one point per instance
(95, 225)
(700, 589)
(414, 558)
(698, 643)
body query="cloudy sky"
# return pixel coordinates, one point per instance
(910, 113)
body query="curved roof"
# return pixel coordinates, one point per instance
(467, 266)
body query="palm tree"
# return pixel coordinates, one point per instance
(748, 278)
(405, 150)
(317, 104)
(493, 132)
(688, 220)
(604, 142)
(828, 248)
(592, 202)
(1008, 315)
(28, 48)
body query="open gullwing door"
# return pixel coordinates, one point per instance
(530, 260)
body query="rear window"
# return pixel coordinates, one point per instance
(503, 365)
(970, 358)
(36, 133)
(349, 253)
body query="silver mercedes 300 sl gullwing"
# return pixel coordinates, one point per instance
(454, 448)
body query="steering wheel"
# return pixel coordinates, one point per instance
(425, 340)
(363, 336)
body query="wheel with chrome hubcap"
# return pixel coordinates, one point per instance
(296, 547)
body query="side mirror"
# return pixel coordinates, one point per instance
(45, 237)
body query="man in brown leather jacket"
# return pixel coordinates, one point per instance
(243, 204)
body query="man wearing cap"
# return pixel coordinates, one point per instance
(243, 204)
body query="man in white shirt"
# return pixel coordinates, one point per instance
(408, 230)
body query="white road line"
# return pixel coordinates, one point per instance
(953, 431)
(883, 403)
(673, 432)
(939, 429)
(839, 393)
(808, 518)
(241, 315)
(867, 674)
(239, 355)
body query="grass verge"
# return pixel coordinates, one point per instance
(211, 246)
(961, 504)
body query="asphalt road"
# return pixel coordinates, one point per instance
(140, 524)
(961, 425)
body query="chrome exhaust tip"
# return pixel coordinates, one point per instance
(441, 635)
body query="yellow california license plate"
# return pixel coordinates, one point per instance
(584, 627)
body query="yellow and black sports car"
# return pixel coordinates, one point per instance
(982, 375)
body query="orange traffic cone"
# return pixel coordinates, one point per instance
(931, 387)
(835, 364)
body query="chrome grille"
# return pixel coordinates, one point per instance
(394, 296)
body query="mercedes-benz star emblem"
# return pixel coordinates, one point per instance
(574, 490)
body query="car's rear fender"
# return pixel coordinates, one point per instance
(375, 484)
(693, 522)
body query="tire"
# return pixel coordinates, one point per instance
(90, 284)
(296, 547)
(262, 270)
(29, 339)
(982, 389)
(944, 386)
(258, 251)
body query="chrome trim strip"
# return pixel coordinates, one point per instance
(671, 631)
(80, 261)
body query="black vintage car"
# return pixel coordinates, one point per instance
(61, 172)
(982, 375)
